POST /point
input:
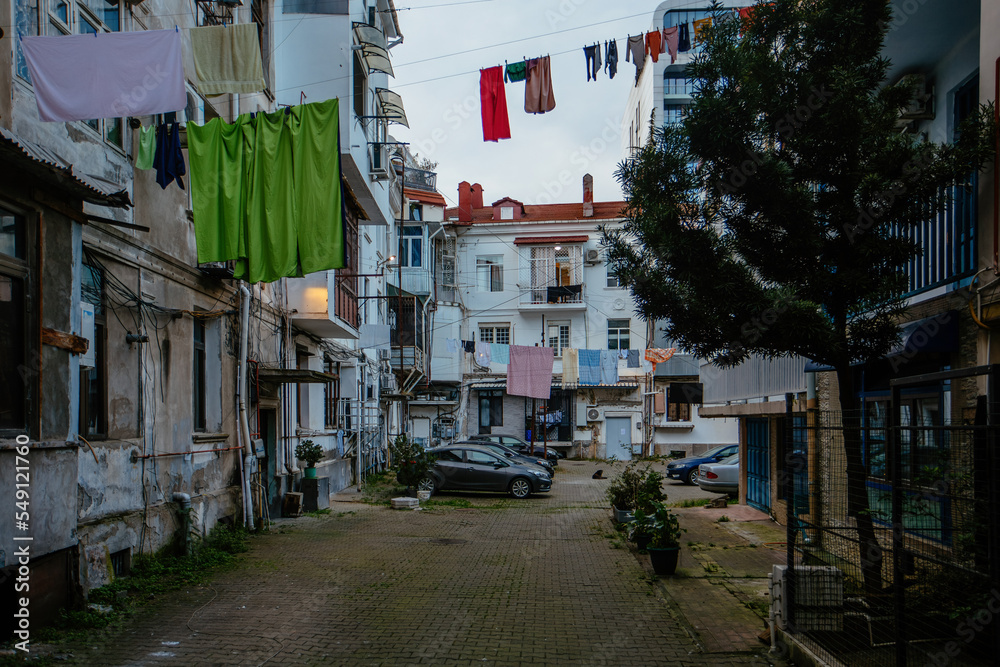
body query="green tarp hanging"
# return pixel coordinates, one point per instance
(266, 192)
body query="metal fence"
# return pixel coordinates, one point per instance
(901, 567)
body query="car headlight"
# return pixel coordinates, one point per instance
(540, 473)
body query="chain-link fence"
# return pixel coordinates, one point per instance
(896, 542)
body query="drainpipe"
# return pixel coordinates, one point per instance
(241, 396)
(184, 500)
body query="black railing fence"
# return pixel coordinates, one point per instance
(897, 563)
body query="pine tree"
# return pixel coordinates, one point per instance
(769, 222)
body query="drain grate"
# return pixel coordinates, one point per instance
(448, 540)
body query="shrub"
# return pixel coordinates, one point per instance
(410, 461)
(636, 487)
(310, 452)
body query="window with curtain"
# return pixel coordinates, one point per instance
(489, 273)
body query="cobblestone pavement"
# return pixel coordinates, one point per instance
(504, 582)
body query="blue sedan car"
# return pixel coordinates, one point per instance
(686, 469)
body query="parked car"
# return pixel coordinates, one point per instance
(721, 477)
(686, 469)
(520, 446)
(466, 467)
(511, 454)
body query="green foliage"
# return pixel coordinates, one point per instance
(410, 461)
(310, 452)
(637, 487)
(767, 222)
(660, 525)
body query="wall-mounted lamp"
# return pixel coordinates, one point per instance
(380, 267)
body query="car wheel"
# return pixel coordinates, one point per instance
(520, 487)
(692, 477)
(427, 484)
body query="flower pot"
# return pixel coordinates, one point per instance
(310, 473)
(663, 559)
(622, 516)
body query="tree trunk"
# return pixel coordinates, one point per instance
(858, 505)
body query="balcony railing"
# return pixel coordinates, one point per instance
(947, 241)
(420, 179)
(555, 296)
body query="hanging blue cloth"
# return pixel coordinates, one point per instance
(168, 160)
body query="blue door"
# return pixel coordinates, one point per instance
(759, 463)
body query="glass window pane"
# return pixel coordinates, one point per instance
(92, 287)
(11, 234)
(12, 353)
(114, 127)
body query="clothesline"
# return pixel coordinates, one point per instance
(487, 353)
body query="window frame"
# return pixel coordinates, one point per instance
(331, 393)
(27, 366)
(615, 330)
(407, 242)
(199, 376)
(98, 375)
(492, 400)
(562, 339)
(495, 265)
(495, 330)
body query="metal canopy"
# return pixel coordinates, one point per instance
(392, 106)
(373, 48)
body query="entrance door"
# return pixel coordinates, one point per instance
(268, 423)
(759, 463)
(619, 438)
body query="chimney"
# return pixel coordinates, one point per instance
(588, 196)
(464, 202)
(477, 196)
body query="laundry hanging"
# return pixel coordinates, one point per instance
(227, 59)
(106, 75)
(451, 346)
(266, 192)
(147, 148)
(483, 354)
(499, 353)
(636, 50)
(515, 72)
(654, 40)
(633, 359)
(683, 38)
(530, 371)
(609, 367)
(700, 28)
(571, 366)
(538, 94)
(670, 38)
(590, 366)
(168, 161)
(493, 100)
(611, 58)
(655, 356)
(593, 59)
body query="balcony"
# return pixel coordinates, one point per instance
(947, 241)
(420, 179)
(406, 322)
(553, 297)
(324, 305)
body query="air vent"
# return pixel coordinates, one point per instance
(593, 414)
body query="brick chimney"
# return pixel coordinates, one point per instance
(477, 196)
(465, 202)
(588, 196)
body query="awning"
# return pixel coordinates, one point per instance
(39, 161)
(373, 48)
(538, 240)
(392, 107)
(294, 376)
(931, 334)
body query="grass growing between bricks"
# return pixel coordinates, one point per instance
(150, 576)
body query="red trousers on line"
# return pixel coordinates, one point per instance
(494, 102)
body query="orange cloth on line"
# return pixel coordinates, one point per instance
(699, 28)
(654, 40)
(658, 356)
(538, 95)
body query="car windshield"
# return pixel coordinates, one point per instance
(731, 460)
(715, 452)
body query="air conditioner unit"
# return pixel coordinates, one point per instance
(379, 160)
(593, 414)
(921, 104)
(384, 355)
(592, 256)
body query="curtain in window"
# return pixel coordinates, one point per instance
(543, 272)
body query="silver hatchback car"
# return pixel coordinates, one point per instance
(474, 468)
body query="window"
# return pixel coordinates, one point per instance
(679, 412)
(673, 114)
(677, 83)
(494, 333)
(330, 394)
(411, 246)
(16, 372)
(612, 276)
(416, 212)
(360, 87)
(200, 393)
(618, 334)
(489, 273)
(490, 409)
(559, 336)
(506, 212)
(480, 458)
(93, 381)
(555, 266)
(302, 363)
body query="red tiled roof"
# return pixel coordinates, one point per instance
(548, 212)
(525, 240)
(423, 196)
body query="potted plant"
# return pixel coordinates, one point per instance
(410, 461)
(665, 535)
(639, 530)
(311, 453)
(635, 488)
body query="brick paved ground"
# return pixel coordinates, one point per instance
(505, 582)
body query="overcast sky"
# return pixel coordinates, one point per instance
(547, 155)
